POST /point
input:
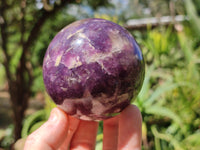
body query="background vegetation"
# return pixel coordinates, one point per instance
(170, 97)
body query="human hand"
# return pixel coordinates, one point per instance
(63, 132)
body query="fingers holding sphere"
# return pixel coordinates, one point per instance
(51, 134)
(130, 129)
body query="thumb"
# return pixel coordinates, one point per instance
(51, 134)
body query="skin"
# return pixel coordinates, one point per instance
(63, 132)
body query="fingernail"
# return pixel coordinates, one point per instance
(54, 115)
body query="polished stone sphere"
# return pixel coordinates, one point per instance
(93, 68)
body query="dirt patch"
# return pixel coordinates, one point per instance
(6, 114)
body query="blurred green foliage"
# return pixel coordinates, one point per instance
(2, 76)
(34, 121)
(6, 137)
(169, 99)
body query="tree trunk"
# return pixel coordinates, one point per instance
(18, 115)
(20, 81)
(20, 93)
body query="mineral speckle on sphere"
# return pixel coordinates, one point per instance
(93, 68)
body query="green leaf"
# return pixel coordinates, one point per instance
(36, 126)
(194, 140)
(100, 137)
(158, 92)
(99, 146)
(31, 120)
(193, 16)
(166, 137)
(143, 95)
(145, 86)
(165, 112)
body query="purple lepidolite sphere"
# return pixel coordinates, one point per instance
(93, 68)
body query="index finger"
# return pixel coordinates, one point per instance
(51, 134)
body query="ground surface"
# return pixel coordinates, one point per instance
(6, 111)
